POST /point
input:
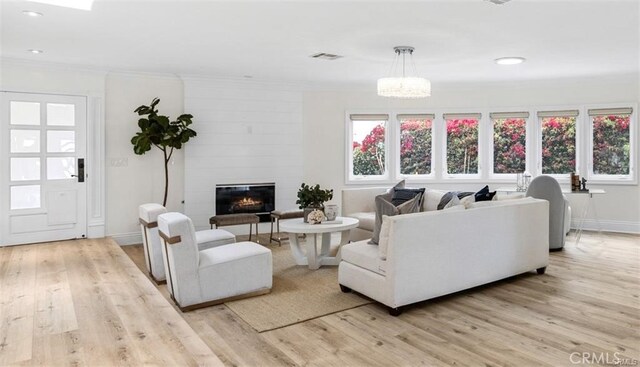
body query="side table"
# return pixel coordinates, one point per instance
(236, 219)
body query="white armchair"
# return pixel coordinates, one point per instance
(199, 278)
(153, 251)
(547, 188)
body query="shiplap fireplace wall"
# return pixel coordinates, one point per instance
(247, 132)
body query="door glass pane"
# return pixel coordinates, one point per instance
(25, 141)
(25, 197)
(23, 169)
(60, 114)
(60, 168)
(25, 113)
(59, 141)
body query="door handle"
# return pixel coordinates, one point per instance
(80, 174)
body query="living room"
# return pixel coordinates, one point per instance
(265, 111)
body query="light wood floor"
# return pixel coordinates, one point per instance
(84, 302)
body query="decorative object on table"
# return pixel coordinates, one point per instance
(520, 182)
(331, 211)
(527, 180)
(575, 182)
(315, 217)
(584, 185)
(311, 198)
(164, 134)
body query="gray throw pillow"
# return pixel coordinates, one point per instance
(385, 207)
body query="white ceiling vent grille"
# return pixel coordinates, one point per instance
(325, 56)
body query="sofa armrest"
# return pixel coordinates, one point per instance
(360, 199)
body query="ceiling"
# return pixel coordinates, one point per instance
(455, 40)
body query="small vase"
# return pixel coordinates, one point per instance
(309, 209)
(331, 212)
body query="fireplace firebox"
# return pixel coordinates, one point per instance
(255, 198)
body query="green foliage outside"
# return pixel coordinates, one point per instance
(369, 155)
(462, 146)
(558, 145)
(415, 147)
(611, 145)
(509, 142)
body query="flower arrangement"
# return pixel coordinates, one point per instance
(315, 217)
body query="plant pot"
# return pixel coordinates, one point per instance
(309, 209)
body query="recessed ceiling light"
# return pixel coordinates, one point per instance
(74, 4)
(31, 13)
(510, 60)
(33, 51)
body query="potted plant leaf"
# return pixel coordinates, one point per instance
(159, 131)
(311, 198)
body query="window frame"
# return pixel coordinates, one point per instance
(630, 178)
(562, 178)
(350, 178)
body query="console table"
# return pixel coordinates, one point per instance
(312, 258)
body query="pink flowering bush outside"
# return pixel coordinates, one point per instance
(611, 145)
(462, 146)
(415, 146)
(509, 141)
(558, 145)
(369, 154)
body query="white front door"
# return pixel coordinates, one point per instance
(42, 180)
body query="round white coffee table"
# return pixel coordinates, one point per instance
(311, 256)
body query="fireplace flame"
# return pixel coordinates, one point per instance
(247, 203)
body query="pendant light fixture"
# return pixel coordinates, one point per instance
(398, 84)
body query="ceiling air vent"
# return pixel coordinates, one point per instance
(325, 56)
(499, 2)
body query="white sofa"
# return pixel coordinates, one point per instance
(359, 203)
(425, 255)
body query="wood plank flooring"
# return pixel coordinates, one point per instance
(85, 303)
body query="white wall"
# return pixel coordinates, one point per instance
(248, 132)
(137, 179)
(324, 129)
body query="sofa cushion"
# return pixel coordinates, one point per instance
(367, 220)
(364, 255)
(484, 194)
(432, 199)
(446, 198)
(402, 195)
(385, 207)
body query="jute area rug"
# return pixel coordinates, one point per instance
(298, 294)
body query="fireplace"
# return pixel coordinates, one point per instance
(258, 198)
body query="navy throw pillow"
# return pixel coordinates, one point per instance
(484, 194)
(400, 196)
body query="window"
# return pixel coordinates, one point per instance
(368, 156)
(462, 143)
(416, 144)
(611, 141)
(509, 142)
(558, 141)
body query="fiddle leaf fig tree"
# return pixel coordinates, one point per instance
(159, 131)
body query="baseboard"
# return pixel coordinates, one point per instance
(608, 226)
(124, 239)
